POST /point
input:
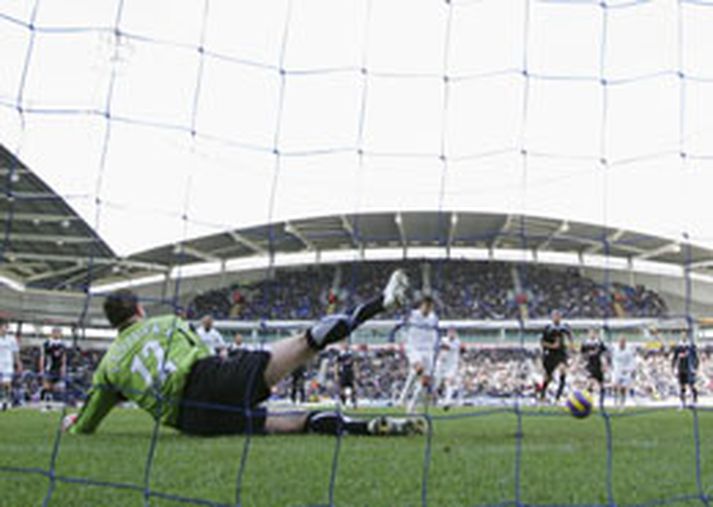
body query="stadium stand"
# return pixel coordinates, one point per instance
(465, 290)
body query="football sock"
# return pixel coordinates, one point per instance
(414, 397)
(560, 388)
(334, 328)
(333, 423)
(694, 393)
(407, 386)
(449, 394)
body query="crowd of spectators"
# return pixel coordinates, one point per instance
(579, 296)
(475, 290)
(462, 289)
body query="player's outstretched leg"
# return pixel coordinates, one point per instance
(286, 355)
(334, 328)
(560, 388)
(410, 379)
(335, 423)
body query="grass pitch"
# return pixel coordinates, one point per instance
(472, 462)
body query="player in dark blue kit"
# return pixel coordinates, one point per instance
(297, 388)
(53, 365)
(346, 375)
(685, 362)
(556, 338)
(592, 350)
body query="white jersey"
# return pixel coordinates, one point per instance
(623, 365)
(422, 332)
(8, 349)
(449, 357)
(623, 361)
(421, 339)
(212, 338)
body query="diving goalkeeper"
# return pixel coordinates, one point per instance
(167, 370)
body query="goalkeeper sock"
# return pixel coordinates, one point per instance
(334, 328)
(333, 423)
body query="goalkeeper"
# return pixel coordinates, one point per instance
(166, 369)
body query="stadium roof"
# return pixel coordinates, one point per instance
(44, 242)
(423, 229)
(47, 245)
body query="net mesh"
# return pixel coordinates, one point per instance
(482, 128)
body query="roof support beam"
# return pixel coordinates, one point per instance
(656, 252)
(47, 238)
(52, 274)
(347, 226)
(402, 232)
(73, 259)
(72, 279)
(18, 169)
(612, 238)
(194, 252)
(290, 228)
(452, 230)
(29, 268)
(563, 228)
(239, 238)
(701, 264)
(505, 228)
(47, 196)
(43, 218)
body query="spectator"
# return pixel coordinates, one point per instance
(210, 335)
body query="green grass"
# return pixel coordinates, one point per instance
(473, 462)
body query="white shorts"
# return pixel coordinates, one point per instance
(446, 371)
(6, 376)
(622, 378)
(423, 357)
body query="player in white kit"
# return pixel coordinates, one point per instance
(447, 378)
(421, 345)
(9, 360)
(623, 359)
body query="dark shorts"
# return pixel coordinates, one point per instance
(686, 377)
(552, 361)
(221, 396)
(346, 381)
(52, 376)
(596, 373)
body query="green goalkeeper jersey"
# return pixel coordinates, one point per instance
(148, 364)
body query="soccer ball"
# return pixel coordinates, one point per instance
(579, 404)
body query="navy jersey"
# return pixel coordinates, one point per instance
(298, 374)
(593, 350)
(685, 358)
(345, 363)
(556, 334)
(54, 354)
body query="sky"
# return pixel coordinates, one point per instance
(203, 116)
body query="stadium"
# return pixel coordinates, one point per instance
(356, 253)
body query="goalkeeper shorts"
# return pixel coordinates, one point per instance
(221, 396)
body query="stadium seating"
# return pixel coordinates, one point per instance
(464, 290)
